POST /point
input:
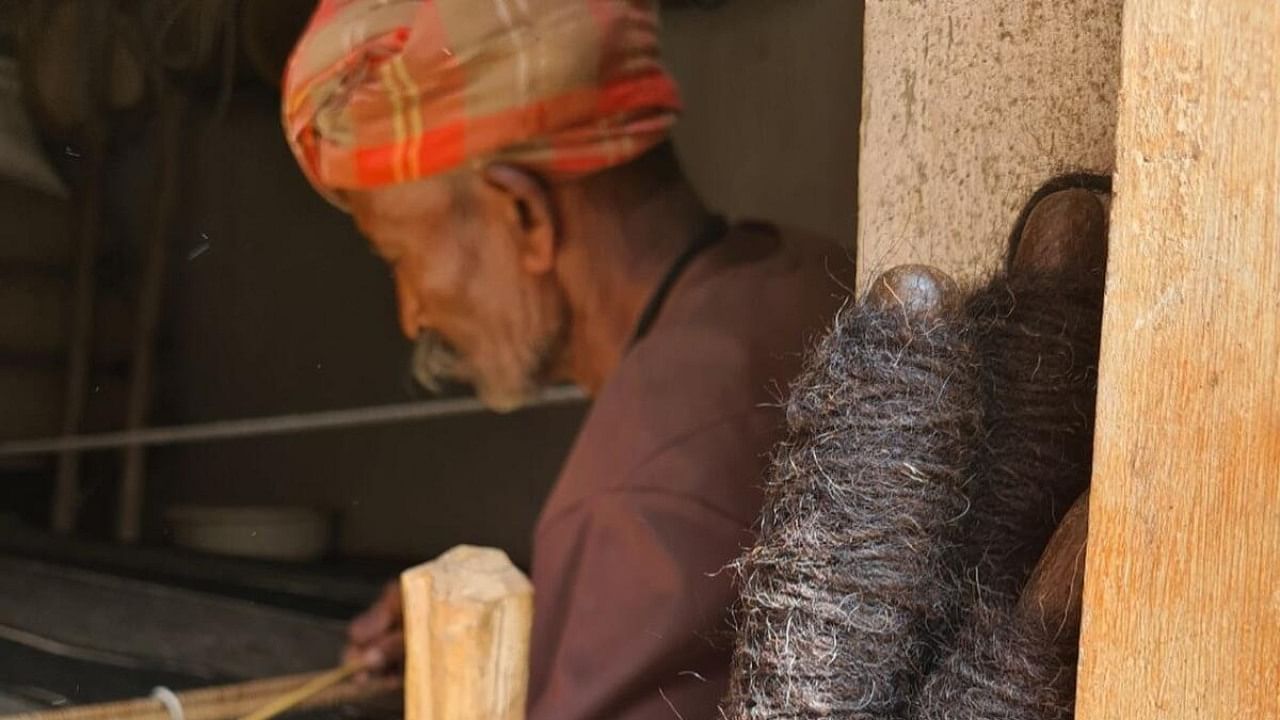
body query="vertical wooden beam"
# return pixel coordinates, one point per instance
(66, 489)
(467, 619)
(172, 110)
(94, 133)
(1182, 590)
(967, 107)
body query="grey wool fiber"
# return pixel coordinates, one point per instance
(930, 454)
(1000, 667)
(852, 574)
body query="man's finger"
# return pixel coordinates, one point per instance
(381, 656)
(387, 652)
(384, 615)
(374, 622)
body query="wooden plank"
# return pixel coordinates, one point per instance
(467, 619)
(1182, 611)
(967, 107)
(138, 625)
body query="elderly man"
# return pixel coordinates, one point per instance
(510, 161)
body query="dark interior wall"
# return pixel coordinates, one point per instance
(275, 305)
(772, 91)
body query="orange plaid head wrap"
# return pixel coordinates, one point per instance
(389, 91)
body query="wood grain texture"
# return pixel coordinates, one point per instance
(967, 107)
(1182, 607)
(467, 617)
(135, 624)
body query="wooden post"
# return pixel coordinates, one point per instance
(94, 134)
(150, 303)
(1182, 607)
(66, 489)
(467, 618)
(967, 107)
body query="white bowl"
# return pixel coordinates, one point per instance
(269, 533)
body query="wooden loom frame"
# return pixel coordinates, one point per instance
(1182, 615)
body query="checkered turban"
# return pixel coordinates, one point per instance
(389, 91)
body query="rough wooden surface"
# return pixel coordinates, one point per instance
(467, 617)
(145, 626)
(1182, 611)
(967, 107)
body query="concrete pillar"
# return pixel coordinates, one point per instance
(968, 106)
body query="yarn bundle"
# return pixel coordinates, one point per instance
(935, 439)
(862, 522)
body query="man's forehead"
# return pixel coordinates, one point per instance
(402, 201)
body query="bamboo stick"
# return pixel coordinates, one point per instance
(224, 702)
(309, 689)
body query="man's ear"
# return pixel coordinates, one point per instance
(532, 211)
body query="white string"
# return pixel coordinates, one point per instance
(170, 700)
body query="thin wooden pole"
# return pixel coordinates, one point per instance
(66, 492)
(142, 370)
(247, 428)
(224, 702)
(295, 697)
(1182, 612)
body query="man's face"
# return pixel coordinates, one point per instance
(477, 312)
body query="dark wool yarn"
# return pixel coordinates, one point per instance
(999, 667)
(1038, 337)
(927, 463)
(853, 571)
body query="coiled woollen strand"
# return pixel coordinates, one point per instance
(853, 572)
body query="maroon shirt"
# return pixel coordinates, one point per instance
(662, 488)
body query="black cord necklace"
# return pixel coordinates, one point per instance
(713, 232)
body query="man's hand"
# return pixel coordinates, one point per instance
(376, 637)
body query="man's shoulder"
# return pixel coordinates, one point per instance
(694, 407)
(716, 465)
